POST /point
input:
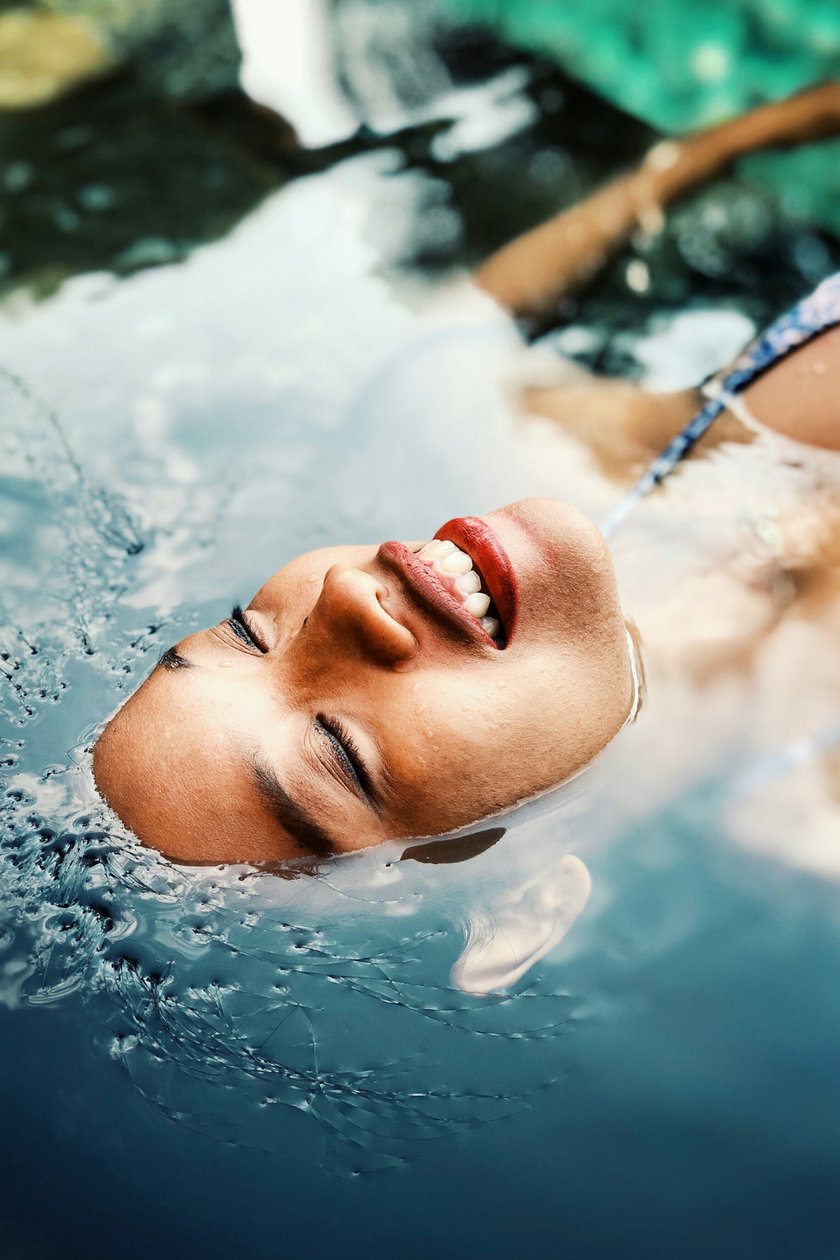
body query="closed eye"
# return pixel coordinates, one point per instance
(244, 629)
(350, 759)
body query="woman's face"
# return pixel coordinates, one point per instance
(368, 694)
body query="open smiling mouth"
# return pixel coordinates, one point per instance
(464, 574)
(454, 570)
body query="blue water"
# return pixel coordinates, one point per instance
(692, 1107)
(222, 1061)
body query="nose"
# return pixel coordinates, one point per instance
(350, 614)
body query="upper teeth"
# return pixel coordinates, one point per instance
(455, 569)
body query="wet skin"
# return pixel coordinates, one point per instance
(350, 705)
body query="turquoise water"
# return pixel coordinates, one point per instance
(228, 1062)
(682, 66)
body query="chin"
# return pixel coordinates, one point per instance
(559, 525)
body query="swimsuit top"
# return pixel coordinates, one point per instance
(718, 552)
(778, 478)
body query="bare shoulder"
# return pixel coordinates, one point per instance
(800, 396)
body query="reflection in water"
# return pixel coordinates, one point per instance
(522, 926)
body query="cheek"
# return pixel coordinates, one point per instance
(459, 736)
(469, 743)
(464, 747)
(464, 718)
(437, 748)
(577, 703)
(535, 724)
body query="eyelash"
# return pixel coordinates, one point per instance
(333, 729)
(346, 747)
(243, 630)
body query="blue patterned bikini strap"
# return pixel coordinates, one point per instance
(813, 315)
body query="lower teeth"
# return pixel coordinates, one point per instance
(464, 583)
(491, 626)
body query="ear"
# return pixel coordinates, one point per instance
(515, 931)
(458, 849)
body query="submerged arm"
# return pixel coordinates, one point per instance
(558, 257)
(625, 425)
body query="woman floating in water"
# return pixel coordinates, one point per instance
(371, 693)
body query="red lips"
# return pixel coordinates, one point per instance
(474, 536)
(430, 593)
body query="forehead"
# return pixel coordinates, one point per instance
(170, 736)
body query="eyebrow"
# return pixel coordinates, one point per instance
(172, 659)
(291, 814)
